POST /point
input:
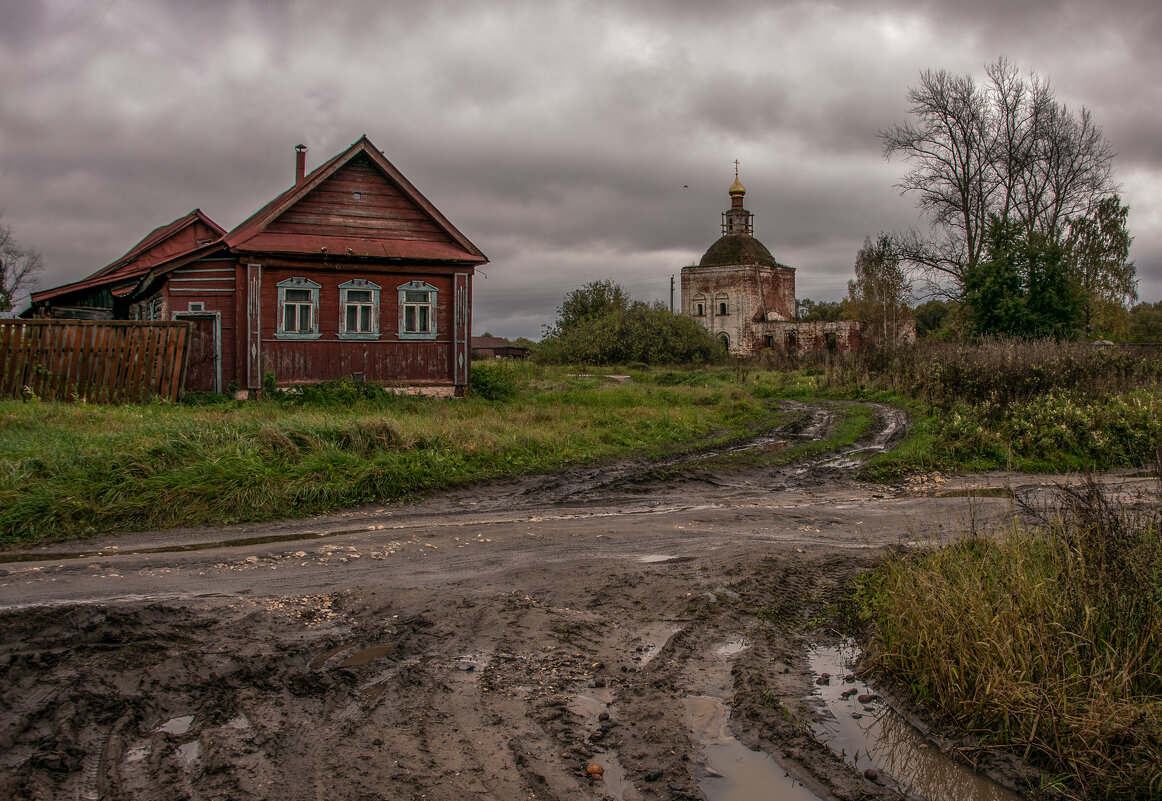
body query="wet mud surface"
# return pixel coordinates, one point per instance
(560, 637)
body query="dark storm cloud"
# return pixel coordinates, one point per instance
(571, 141)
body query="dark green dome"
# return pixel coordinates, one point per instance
(737, 249)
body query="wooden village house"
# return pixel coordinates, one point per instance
(349, 272)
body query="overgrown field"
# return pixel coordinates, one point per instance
(67, 470)
(1014, 404)
(71, 470)
(1047, 640)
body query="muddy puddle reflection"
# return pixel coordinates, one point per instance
(867, 733)
(733, 771)
(611, 783)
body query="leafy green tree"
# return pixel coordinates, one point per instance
(1054, 298)
(1099, 249)
(592, 301)
(878, 297)
(1024, 287)
(1146, 322)
(600, 324)
(811, 311)
(932, 316)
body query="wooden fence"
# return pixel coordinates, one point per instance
(95, 361)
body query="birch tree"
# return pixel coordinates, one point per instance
(879, 294)
(1099, 248)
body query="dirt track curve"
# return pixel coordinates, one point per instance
(489, 643)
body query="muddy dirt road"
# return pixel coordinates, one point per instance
(489, 644)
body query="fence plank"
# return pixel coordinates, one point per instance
(98, 361)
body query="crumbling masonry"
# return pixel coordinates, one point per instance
(746, 299)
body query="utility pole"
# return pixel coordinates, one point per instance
(671, 293)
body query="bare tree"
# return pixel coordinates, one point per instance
(18, 268)
(1007, 148)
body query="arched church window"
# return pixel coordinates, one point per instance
(722, 302)
(698, 306)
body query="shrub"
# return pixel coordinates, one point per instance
(640, 333)
(494, 381)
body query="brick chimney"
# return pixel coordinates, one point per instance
(300, 163)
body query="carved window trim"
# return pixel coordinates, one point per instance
(417, 318)
(299, 302)
(349, 303)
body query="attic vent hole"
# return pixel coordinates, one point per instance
(358, 195)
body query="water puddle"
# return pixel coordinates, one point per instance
(138, 753)
(867, 733)
(731, 648)
(319, 660)
(613, 782)
(176, 726)
(372, 691)
(653, 640)
(366, 655)
(733, 771)
(609, 778)
(189, 753)
(470, 663)
(589, 706)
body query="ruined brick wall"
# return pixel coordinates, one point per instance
(750, 296)
(789, 337)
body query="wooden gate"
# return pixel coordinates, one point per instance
(95, 361)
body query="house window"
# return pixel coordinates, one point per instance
(298, 309)
(417, 310)
(358, 310)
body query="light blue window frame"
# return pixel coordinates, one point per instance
(415, 317)
(359, 285)
(298, 283)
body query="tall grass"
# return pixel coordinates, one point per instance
(998, 372)
(1047, 640)
(1025, 405)
(69, 470)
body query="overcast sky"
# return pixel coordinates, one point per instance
(571, 141)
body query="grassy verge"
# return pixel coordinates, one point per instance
(1031, 406)
(71, 470)
(1047, 640)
